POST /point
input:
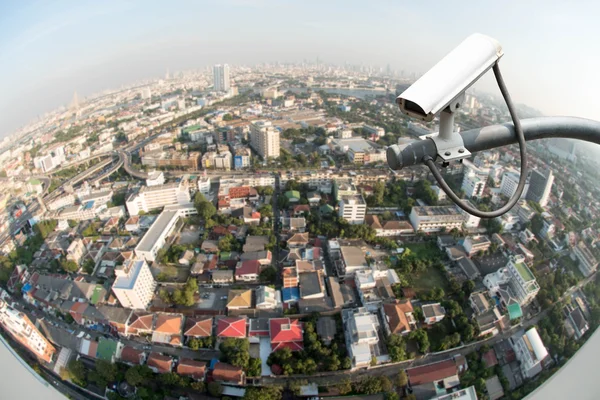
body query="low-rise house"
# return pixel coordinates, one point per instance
(132, 356)
(475, 244)
(210, 246)
(227, 373)
(301, 210)
(192, 368)
(298, 240)
(577, 320)
(198, 327)
(239, 299)
(433, 313)
(247, 271)
(186, 258)
(159, 363)
(489, 322)
(398, 317)
(286, 333)
(267, 298)
(264, 257)
(133, 224)
(235, 327)
(255, 243)
(294, 224)
(167, 329)
(469, 268)
(480, 302)
(311, 285)
(431, 380)
(140, 324)
(222, 276)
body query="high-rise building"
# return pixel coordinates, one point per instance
(134, 284)
(264, 139)
(540, 186)
(221, 77)
(24, 331)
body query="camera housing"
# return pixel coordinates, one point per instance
(443, 87)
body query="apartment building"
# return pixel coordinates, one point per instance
(353, 209)
(157, 235)
(530, 351)
(172, 158)
(361, 336)
(20, 327)
(264, 138)
(134, 284)
(523, 282)
(587, 262)
(475, 244)
(155, 197)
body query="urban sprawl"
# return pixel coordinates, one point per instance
(236, 232)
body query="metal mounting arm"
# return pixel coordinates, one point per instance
(491, 137)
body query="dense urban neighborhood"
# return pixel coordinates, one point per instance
(236, 233)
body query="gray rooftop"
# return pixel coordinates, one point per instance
(310, 284)
(157, 228)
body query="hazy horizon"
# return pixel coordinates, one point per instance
(52, 49)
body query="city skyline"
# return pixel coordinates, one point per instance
(59, 48)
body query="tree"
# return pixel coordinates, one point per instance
(107, 370)
(199, 386)
(420, 336)
(138, 375)
(344, 387)
(88, 266)
(69, 265)
(235, 352)
(254, 367)
(402, 379)
(215, 389)
(369, 385)
(396, 347)
(205, 208)
(268, 275)
(227, 117)
(76, 372)
(263, 393)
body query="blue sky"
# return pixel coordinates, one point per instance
(49, 49)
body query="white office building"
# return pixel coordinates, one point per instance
(473, 185)
(155, 238)
(435, 218)
(352, 208)
(134, 284)
(204, 185)
(516, 279)
(156, 197)
(264, 139)
(221, 77)
(530, 351)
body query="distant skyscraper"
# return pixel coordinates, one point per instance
(221, 77)
(540, 186)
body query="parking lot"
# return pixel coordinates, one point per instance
(212, 298)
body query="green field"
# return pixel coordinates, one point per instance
(431, 278)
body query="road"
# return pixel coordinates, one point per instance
(276, 226)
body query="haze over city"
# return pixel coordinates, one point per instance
(52, 49)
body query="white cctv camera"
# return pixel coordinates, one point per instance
(443, 86)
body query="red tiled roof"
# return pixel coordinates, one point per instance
(249, 267)
(211, 264)
(231, 327)
(198, 327)
(301, 208)
(188, 367)
(489, 358)
(138, 321)
(286, 333)
(396, 314)
(162, 363)
(226, 372)
(77, 310)
(170, 324)
(432, 372)
(131, 355)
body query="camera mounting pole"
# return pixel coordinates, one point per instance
(449, 144)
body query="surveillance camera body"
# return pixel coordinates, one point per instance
(443, 87)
